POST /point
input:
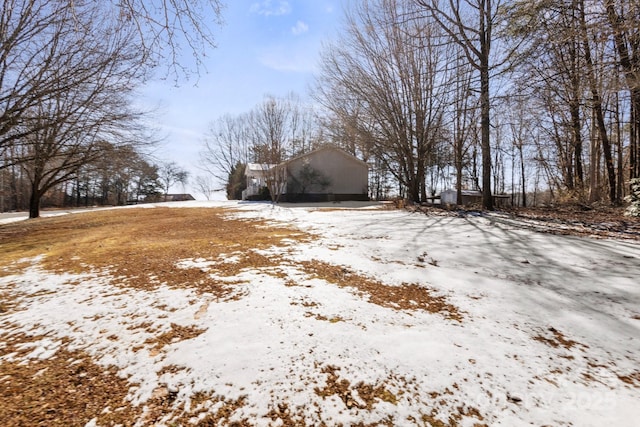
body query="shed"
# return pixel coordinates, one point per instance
(469, 197)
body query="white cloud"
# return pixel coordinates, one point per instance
(267, 8)
(299, 28)
(297, 59)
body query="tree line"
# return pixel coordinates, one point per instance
(502, 95)
(499, 96)
(68, 75)
(276, 129)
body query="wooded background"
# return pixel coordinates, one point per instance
(538, 100)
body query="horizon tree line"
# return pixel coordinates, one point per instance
(498, 96)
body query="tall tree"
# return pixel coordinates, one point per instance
(471, 24)
(475, 40)
(623, 17)
(171, 173)
(597, 102)
(227, 143)
(270, 128)
(553, 78)
(384, 81)
(463, 116)
(93, 69)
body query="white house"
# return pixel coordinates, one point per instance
(256, 176)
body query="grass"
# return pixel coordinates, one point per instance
(142, 246)
(141, 249)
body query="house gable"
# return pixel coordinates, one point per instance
(338, 176)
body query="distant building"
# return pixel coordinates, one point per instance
(469, 197)
(178, 197)
(472, 197)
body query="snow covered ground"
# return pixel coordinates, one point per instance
(548, 330)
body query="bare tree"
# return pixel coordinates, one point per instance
(227, 143)
(171, 173)
(558, 67)
(270, 123)
(471, 24)
(383, 81)
(463, 113)
(575, 76)
(303, 130)
(206, 185)
(92, 70)
(28, 58)
(597, 102)
(623, 17)
(158, 30)
(167, 27)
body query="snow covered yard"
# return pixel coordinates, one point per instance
(336, 317)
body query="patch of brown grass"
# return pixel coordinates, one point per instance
(455, 417)
(558, 340)
(177, 333)
(142, 246)
(368, 395)
(632, 379)
(403, 297)
(162, 404)
(67, 389)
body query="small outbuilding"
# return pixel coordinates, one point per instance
(472, 197)
(469, 197)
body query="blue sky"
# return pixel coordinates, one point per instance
(265, 47)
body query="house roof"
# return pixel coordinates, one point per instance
(327, 147)
(179, 197)
(257, 167)
(263, 167)
(464, 192)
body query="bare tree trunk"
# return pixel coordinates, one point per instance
(34, 200)
(634, 135)
(577, 144)
(523, 177)
(597, 106)
(594, 164)
(628, 49)
(620, 151)
(485, 125)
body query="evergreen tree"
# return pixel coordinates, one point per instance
(236, 182)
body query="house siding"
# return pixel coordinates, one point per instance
(348, 176)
